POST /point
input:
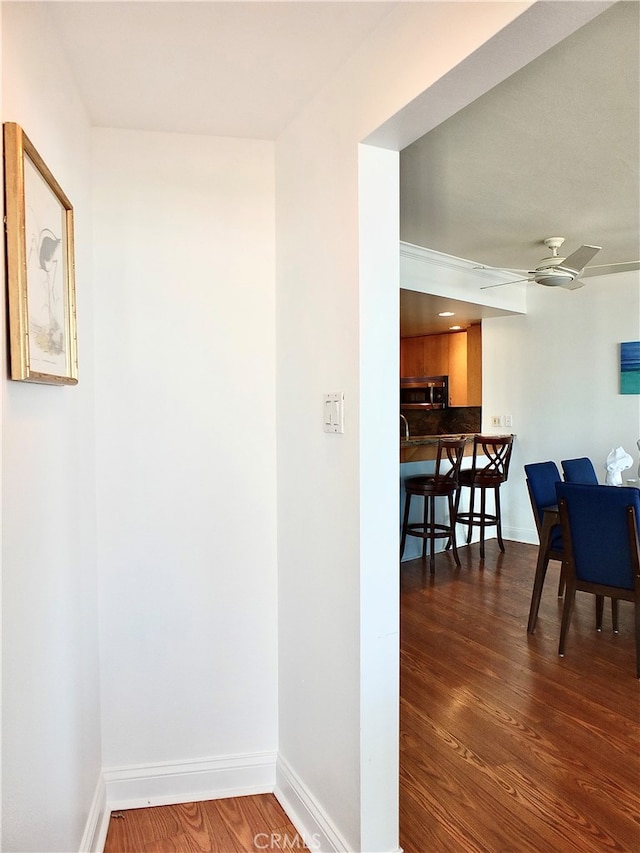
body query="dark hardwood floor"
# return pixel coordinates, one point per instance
(504, 746)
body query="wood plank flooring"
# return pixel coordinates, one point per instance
(235, 825)
(504, 746)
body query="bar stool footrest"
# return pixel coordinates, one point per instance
(439, 531)
(476, 519)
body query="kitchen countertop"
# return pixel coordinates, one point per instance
(420, 448)
(415, 440)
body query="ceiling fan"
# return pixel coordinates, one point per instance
(556, 271)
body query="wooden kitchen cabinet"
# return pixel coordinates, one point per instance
(436, 355)
(474, 365)
(457, 355)
(427, 355)
(457, 368)
(412, 357)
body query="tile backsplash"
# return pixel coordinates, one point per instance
(463, 419)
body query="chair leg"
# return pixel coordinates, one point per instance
(425, 518)
(636, 609)
(536, 595)
(561, 580)
(567, 609)
(542, 563)
(405, 522)
(599, 611)
(452, 524)
(432, 531)
(483, 516)
(456, 505)
(499, 518)
(614, 615)
(471, 501)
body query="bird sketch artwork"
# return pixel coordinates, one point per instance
(42, 263)
(44, 227)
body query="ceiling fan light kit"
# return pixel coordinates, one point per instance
(563, 272)
(555, 278)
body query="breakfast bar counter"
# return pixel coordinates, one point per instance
(419, 448)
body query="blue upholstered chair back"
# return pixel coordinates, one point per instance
(542, 478)
(599, 533)
(579, 471)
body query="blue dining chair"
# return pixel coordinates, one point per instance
(579, 471)
(541, 485)
(601, 536)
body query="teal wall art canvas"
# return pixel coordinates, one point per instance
(630, 367)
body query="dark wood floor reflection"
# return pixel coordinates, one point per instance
(505, 747)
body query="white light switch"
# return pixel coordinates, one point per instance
(334, 412)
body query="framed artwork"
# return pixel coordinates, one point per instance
(630, 367)
(40, 267)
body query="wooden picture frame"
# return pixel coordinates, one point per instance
(40, 267)
(630, 367)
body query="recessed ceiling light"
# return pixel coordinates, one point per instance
(446, 314)
(454, 328)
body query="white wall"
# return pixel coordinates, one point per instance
(556, 370)
(185, 440)
(335, 591)
(185, 455)
(51, 726)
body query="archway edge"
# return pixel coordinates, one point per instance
(535, 31)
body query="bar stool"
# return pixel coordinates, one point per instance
(485, 476)
(442, 483)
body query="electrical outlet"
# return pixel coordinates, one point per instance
(496, 420)
(508, 420)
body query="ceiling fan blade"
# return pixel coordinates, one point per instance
(502, 269)
(608, 269)
(574, 284)
(579, 259)
(502, 283)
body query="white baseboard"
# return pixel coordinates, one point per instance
(146, 785)
(520, 534)
(305, 813)
(95, 831)
(169, 783)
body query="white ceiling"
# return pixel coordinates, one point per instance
(552, 151)
(217, 68)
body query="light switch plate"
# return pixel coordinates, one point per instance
(333, 412)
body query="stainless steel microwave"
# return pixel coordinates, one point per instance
(424, 392)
